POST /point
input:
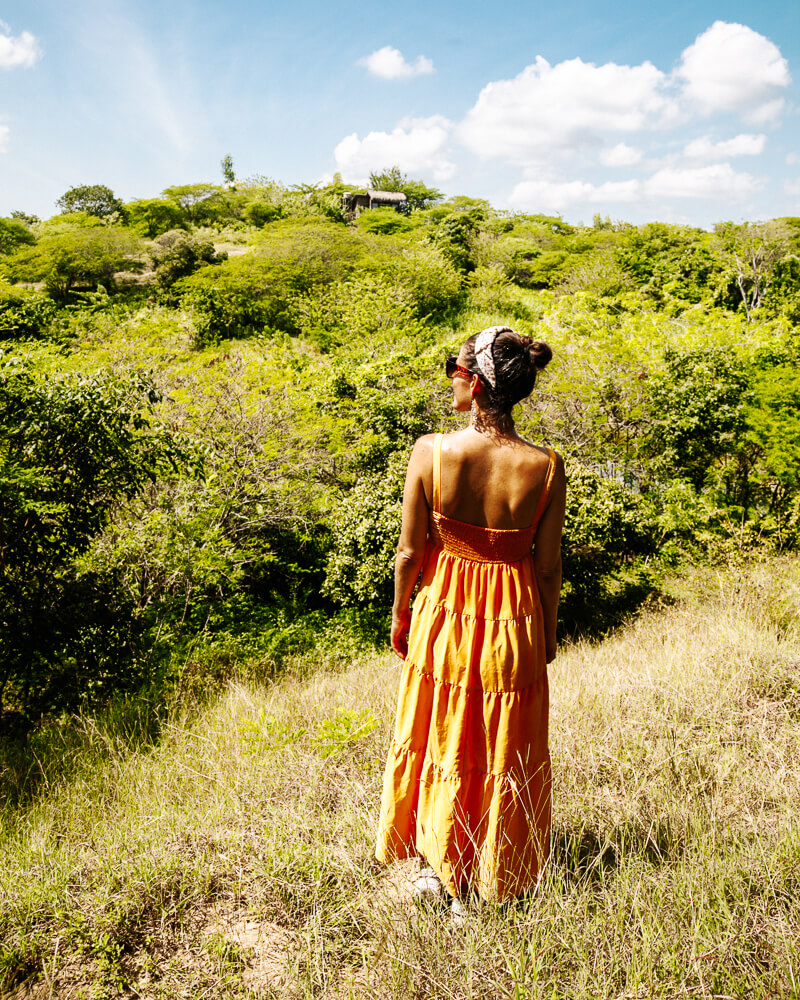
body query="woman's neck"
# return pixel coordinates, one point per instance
(502, 427)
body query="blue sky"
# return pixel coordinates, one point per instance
(684, 112)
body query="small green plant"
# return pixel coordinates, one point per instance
(345, 728)
(266, 733)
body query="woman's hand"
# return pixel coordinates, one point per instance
(401, 621)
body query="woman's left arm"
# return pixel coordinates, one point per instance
(413, 538)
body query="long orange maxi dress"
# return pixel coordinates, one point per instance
(467, 783)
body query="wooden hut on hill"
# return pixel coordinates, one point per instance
(355, 202)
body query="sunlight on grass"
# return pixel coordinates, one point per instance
(230, 849)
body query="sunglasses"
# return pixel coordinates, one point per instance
(452, 367)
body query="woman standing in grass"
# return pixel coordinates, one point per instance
(467, 782)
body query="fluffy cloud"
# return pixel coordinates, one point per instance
(745, 144)
(547, 108)
(390, 64)
(792, 187)
(20, 51)
(620, 155)
(417, 145)
(719, 181)
(730, 67)
(4, 138)
(558, 196)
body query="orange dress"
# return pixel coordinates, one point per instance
(467, 783)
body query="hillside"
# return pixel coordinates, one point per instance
(226, 850)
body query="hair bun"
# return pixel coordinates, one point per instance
(539, 353)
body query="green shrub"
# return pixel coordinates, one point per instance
(72, 447)
(365, 530)
(608, 529)
(24, 313)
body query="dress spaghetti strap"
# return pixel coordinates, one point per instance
(437, 473)
(548, 482)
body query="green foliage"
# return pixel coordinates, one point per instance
(365, 529)
(93, 199)
(609, 529)
(418, 194)
(752, 252)
(13, 234)
(260, 213)
(74, 251)
(198, 202)
(669, 263)
(24, 313)
(455, 235)
(71, 448)
(772, 415)
(260, 290)
(176, 254)
(151, 217)
(384, 221)
(226, 165)
(367, 308)
(697, 417)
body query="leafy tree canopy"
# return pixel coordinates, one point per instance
(419, 195)
(74, 251)
(71, 448)
(94, 199)
(13, 234)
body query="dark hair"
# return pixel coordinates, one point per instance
(517, 359)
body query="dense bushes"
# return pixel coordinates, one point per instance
(72, 448)
(290, 260)
(676, 412)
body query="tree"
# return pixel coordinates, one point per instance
(228, 175)
(418, 195)
(94, 199)
(697, 420)
(14, 234)
(191, 198)
(176, 254)
(752, 250)
(151, 217)
(74, 251)
(72, 447)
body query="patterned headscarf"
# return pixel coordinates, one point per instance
(483, 352)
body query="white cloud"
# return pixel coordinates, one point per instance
(792, 187)
(546, 108)
(792, 159)
(558, 196)
(730, 67)
(416, 145)
(620, 155)
(4, 132)
(746, 144)
(20, 51)
(717, 181)
(390, 64)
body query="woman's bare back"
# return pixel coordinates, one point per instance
(492, 482)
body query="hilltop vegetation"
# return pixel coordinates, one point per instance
(207, 401)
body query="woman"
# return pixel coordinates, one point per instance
(467, 782)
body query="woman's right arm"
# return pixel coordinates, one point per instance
(413, 538)
(547, 556)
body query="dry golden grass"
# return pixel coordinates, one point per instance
(232, 854)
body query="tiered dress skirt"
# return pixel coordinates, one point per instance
(467, 783)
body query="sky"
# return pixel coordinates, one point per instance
(685, 112)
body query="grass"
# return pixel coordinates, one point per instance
(227, 852)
